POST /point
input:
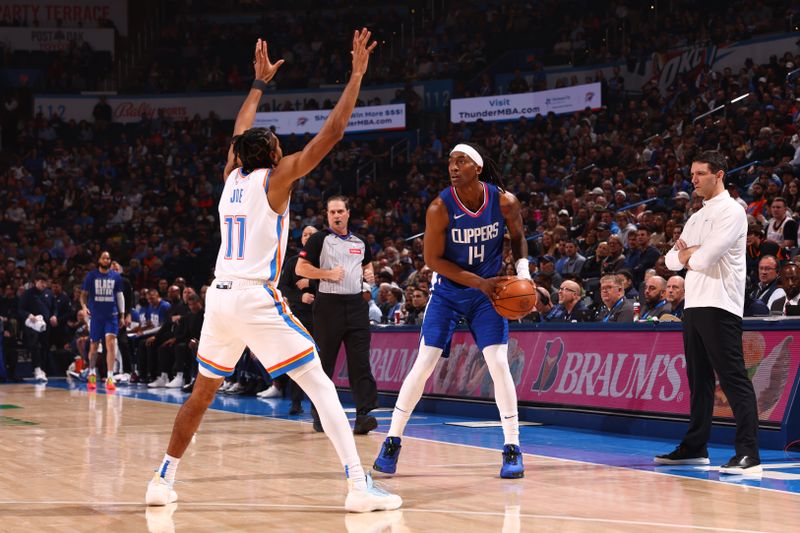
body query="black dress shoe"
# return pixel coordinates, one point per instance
(364, 424)
(683, 456)
(317, 425)
(296, 409)
(741, 465)
(189, 387)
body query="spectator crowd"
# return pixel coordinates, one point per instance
(604, 195)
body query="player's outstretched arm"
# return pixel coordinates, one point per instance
(512, 213)
(436, 222)
(265, 70)
(293, 167)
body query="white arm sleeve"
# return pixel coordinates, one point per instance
(121, 303)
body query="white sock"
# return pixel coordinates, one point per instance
(168, 467)
(413, 385)
(322, 393)
(92, 371)
(505, 392)
(110, 374)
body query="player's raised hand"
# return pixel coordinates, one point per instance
(361, 50)
(265, 70)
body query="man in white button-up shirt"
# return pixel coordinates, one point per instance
(712, 249)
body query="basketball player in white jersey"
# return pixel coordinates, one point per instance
(243, 304)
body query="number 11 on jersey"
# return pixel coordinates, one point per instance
(239, 221)
(476, 254)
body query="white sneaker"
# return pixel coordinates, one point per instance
(236, 387)
(159, 492)
(225, 386)
(160, 381)
(270, 392)
(177, 381)
(371, 499)
(39, 375)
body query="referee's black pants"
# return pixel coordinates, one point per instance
(712, 340)
(345, 318)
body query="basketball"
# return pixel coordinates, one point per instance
(514, 298)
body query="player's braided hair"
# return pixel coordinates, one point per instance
(491, 171)
(254, 148)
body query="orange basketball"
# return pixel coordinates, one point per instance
(515, 298)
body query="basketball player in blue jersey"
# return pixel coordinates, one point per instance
(244, 306)
(103, 302)
(464, 233)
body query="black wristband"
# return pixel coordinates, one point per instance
(260, 85)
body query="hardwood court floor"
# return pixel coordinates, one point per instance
(78, 461)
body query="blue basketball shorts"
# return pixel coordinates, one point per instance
(99, 327)
(448, 305)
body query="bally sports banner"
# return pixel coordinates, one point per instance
(515, 106)
(57, 39)
(632, 371)
(371, 118)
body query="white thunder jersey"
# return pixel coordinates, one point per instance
(253, 235)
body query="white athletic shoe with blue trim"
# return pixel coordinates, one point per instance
(160, 492)
(371, 498)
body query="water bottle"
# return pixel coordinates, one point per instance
(636, 306)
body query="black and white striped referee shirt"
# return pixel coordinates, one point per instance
(326, 249)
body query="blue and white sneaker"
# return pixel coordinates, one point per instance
(512, 462)
(370, 499)
(160, 492)
(386, 461)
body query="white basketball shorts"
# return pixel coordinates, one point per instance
(251, 313)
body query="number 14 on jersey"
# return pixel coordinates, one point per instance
(476, 254)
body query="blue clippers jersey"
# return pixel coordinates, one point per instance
(475, 239)
(102, 289)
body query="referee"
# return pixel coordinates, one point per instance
(712, 248)
(341, 261)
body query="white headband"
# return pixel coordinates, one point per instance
(470, 151)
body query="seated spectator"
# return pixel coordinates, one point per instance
(186, 338)
(789, 303)
(544, 305)
(642, 256)
(395, 311)
(767, 289)
(675, 295)
(573, 261)
(616, 308)
(375, 314)
(547, 265)
(616, 256)
(591, 268)
(419, 301)
(631, 292)
(153, 317)
(655, 298)
(781, 228)
(570, 307)
(758, 247)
